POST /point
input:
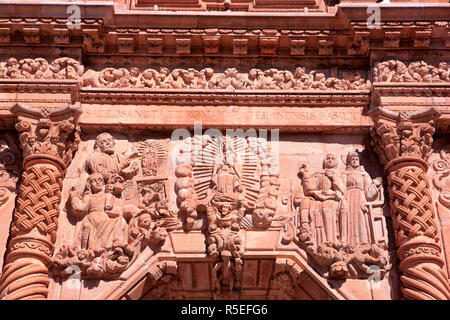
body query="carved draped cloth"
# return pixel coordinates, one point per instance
(354, 221)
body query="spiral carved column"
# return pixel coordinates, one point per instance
(402, 142)
(48, 139)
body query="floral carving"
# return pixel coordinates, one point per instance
(418, 71)
(39, 68)
(410, 137)
(230, 79)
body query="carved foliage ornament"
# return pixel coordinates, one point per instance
(191, 78)
(418, 71)
(9, 170)
(402, 134)
(46, 133)
(441, 179)
(40, 68)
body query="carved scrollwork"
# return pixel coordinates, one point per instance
(441, 179)
(418, 71)
(121, 210)
(9, 170)
(230, 79)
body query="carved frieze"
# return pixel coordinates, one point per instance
(177, 78)
(230, 79)
(40, 68)
(418, 71)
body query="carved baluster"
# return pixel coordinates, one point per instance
(403, 143)
(48, 139)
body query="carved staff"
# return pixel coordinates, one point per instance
(48, 140)
(403, 143)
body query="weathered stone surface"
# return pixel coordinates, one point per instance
(224, 150)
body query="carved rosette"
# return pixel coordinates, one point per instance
(48, 139)
(403, 143)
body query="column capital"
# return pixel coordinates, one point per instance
(402, 137)
(47, 135)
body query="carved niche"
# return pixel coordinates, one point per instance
(119, 206)
(338, 211)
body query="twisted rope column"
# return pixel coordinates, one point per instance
(25, 275)
(403, 143)
(415, 227)
(48, 140)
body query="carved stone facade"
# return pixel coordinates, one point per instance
(144, 156)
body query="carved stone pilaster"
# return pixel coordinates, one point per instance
(403, 142)
(48, 139)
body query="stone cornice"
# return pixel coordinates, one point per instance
(107, 29)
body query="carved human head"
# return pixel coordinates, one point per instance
(330, 161)
(105, 142)
(96, 182)
(226, 207)
(353, 159)
(226, 255)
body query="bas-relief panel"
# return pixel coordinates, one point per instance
(122, 196)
